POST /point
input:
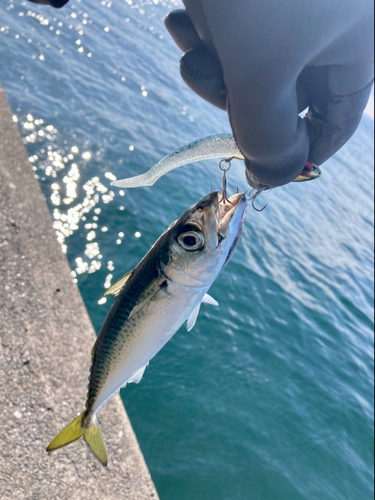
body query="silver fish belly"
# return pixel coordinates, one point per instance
(144, 334)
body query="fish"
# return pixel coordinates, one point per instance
(213, 146)
(153, 301)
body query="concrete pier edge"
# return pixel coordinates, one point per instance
(46, 337)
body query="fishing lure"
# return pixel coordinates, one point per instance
(213, 146)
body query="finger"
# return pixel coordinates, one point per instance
(276, 151)
(182, 31)
(263, 112)
(203, 73)
(331, 125)
(54, 3)
(303, 95)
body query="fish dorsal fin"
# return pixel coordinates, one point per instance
(207, 299)
(117, 288)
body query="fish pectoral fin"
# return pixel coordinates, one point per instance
(117, 288)
(74, 431)
(193, 317)
(138, 376)
(148, 295)
(207, 299)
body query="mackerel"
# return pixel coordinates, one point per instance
(166, 289)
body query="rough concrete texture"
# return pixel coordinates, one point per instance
(46, 337)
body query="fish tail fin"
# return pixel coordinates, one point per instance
(93, 438)
(70, 433)
(74, 431)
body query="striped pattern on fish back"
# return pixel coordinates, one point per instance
(142, 279)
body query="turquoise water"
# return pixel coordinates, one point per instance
(270, 397)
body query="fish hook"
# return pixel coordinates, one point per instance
(253, 198)
(225, 170)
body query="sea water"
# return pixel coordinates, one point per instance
(270, 396)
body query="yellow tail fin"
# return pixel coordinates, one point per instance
(74, 431)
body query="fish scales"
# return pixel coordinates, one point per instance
(114, 324)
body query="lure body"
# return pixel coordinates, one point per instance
(213, 146)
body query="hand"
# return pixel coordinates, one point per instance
(265, 61)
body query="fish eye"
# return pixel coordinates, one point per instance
(191, 240)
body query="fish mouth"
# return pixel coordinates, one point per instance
(228, 207)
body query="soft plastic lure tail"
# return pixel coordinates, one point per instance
(213, 146)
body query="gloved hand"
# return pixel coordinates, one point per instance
(265, 61)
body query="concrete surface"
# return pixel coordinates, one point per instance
(46, 337)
